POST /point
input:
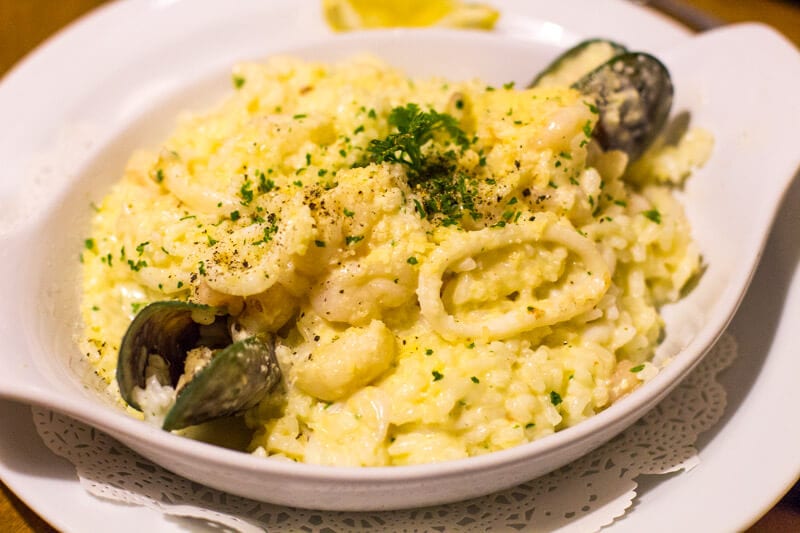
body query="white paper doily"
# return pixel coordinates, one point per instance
(582, 496)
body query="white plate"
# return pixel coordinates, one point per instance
(136, 24)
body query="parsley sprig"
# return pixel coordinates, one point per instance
(415, 128)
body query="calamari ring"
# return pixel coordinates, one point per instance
(566, 304)
(250, 261)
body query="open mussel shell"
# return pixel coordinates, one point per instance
(633, 93)
(235, 379)
(169, 329)
(573, 64)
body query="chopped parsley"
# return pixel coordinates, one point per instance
(426, 143)
(475, 379)
(653, 215)
(415, 128)
(449, 196)
(412, 260)
(89, 244)
(437, 375)
(136, 267)
(238, 81)
(264, 184)
(269, 230)
(352, 239)
(637, 368)
(419, 209)
(555, 398)
(246, 192)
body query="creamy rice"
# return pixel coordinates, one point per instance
(407, 332)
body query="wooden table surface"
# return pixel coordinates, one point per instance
(26, 23)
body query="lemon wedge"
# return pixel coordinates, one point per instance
(347, 15)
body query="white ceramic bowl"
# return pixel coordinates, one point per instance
(740, 83)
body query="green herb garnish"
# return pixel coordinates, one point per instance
(415, 128)
(555, 398)
(653, 215)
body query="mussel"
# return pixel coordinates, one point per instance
(632, 92)
(230, 375)
(577, 61)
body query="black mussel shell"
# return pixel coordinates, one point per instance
(166, 329)
(235, 379)
(633, 93)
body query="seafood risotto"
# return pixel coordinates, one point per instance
(376, 270)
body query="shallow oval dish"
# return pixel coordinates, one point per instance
(731, 204)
